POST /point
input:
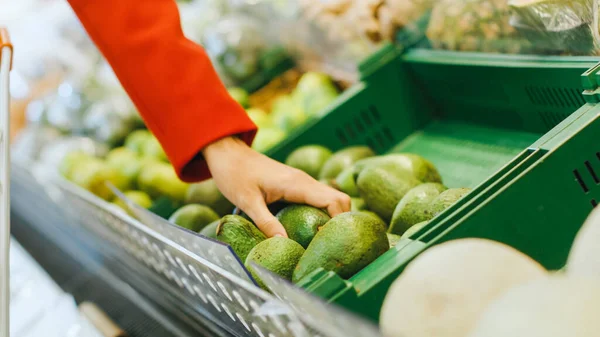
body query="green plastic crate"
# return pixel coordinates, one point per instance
(503, 125)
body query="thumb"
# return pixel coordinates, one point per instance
(264, 220)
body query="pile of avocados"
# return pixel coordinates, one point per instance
(393, 196)
(313, 93)
(142, 171)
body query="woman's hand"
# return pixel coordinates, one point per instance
(251, 181)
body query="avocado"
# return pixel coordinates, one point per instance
(140, 198)
(153, 149)
(240, 234)
(415, 207)
(127, 162)
(137, 140)
(302, 222)
(318, 103)
(289, 119)
(345, 245)
(267, 138)
(70, 160)
(393, 239)
(207, 193)
(120, 155)
(418, 166)
(314, 92)
(194, 217)
(358, 205)
(346, 182)
(278, 255)
(344, 159)
(210, 231)
(309, 158)
(373, 214)
(159, 179)
(414, 229)
(447, 199)
(382, 187)
(239, 95)
(260, 118)
(93, 174)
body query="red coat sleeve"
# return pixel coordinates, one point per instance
(169, 78)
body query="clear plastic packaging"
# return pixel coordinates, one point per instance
(334, 36)
(557, 26)
(475, 25)
(239, 48)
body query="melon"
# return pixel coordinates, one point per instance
(444, 290)
(584, 258)
(556, 306)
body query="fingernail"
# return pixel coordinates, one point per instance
(278, 235)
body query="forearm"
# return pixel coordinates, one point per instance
(168, 77)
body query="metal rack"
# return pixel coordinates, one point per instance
(5, 65)
(179, 265)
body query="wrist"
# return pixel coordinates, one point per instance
(229, 144)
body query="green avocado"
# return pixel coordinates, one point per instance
(418, 166)
(159, 179)
(93, 174)
(153, 149)
(393, 239)
(127, 162)
(309, 158)
(415, 207)
(289, 119)
(140, 198)
(267, 138)
(345, 245)
(194, 217)
(382, 188)
(210, 231)
(239, 95)
(346, 182)
(344, 159)
(260, 118)
(373, 214)
(413, 229)
(447, 199)
(240, 234)
(207, 193)
(137, 140)
(302, 222)
(278, 255)
(72, 159)
(358, 205)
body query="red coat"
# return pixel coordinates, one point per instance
(169, 78)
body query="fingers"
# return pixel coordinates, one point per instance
(265, 221)
(340, 203)
(306, 190)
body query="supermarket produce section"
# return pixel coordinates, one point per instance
(464, 132)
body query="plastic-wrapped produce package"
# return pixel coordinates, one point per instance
(475, 25)
(240, 48)
(557, 26)
(334, 36)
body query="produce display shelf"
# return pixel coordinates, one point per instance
(514, 128)
(476, 119)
